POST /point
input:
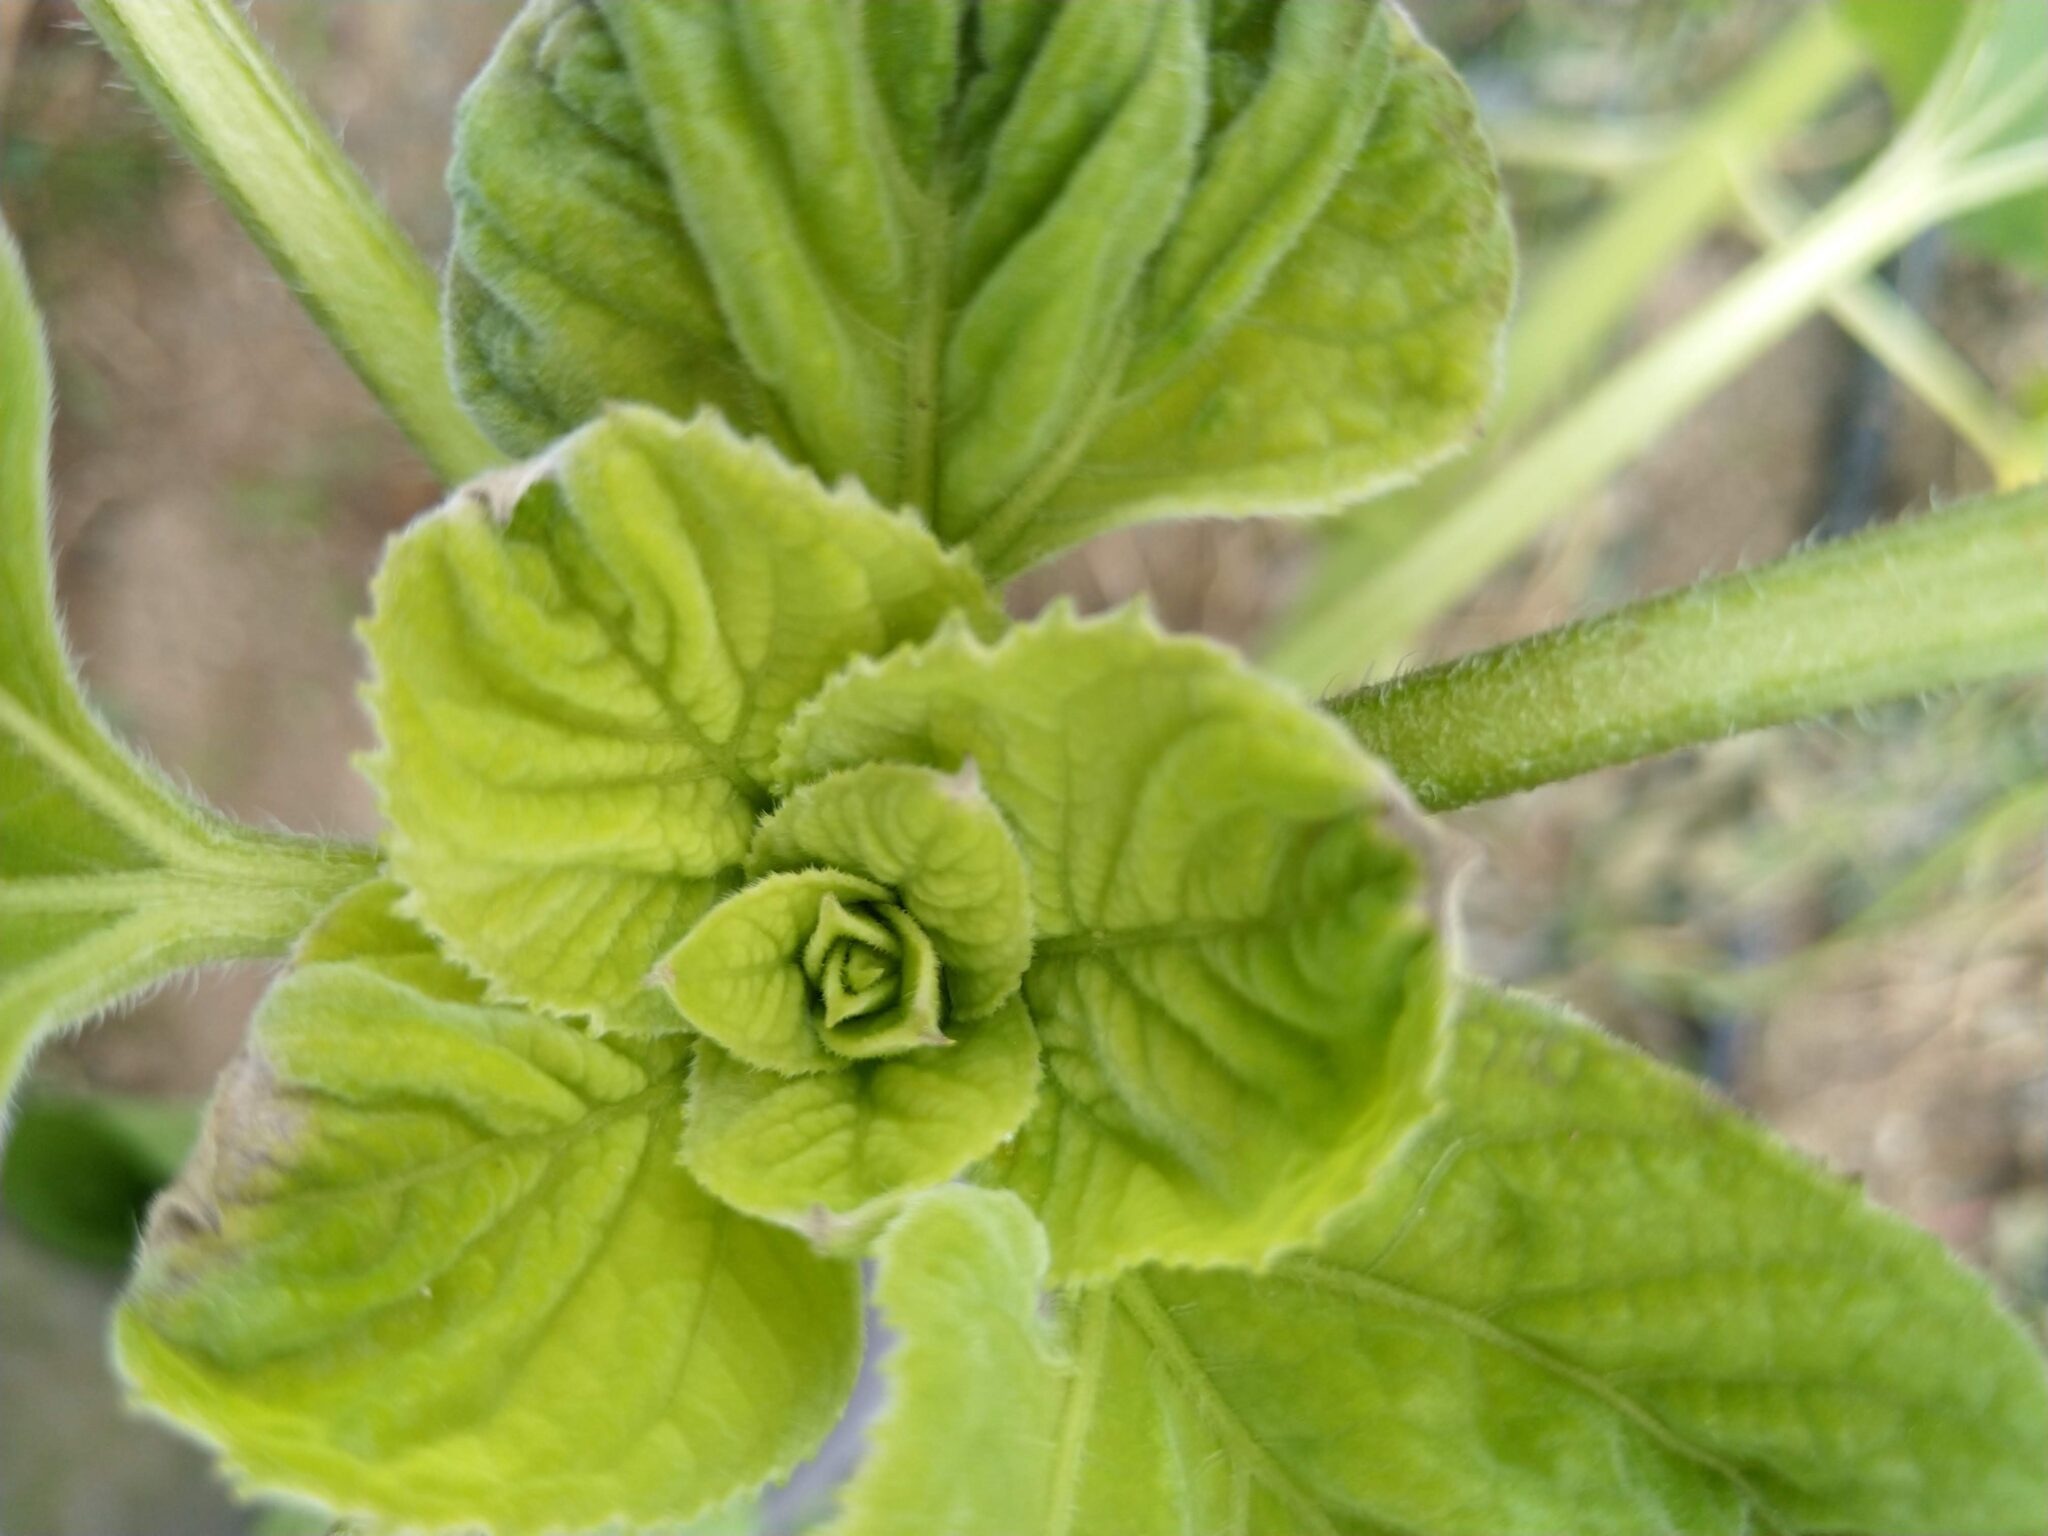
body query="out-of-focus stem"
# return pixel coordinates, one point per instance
(1910, 348)
(259, 144)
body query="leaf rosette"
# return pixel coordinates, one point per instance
(678, 739)
(858, 998)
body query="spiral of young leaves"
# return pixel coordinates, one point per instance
(686, 741)
(1034, 269)
(858, 998)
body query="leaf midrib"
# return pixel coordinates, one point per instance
(1095, 940)
(722, 756)
(1152, 1319)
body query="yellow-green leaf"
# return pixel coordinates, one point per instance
(829, 1151)
(1035, 269)
(581, 674)
(1234, 977)
(436, 1265)
(857, 992)
(1589, 1299)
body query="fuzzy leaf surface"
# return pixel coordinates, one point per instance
(436, 1265)
(579, 695)
(1036, 270)
(110, 878)
(797, 1111)
(1234, 979)
(1590, 1299)
(830, 1150)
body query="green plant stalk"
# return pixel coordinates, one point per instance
(1950, 598)
(226, 893)
(1587, 289)
(1633, 405)
(259, 144)
(1913, 350)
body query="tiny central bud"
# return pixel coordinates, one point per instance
(875, 979)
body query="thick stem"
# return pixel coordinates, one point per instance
(214, 87)
(1953, 597)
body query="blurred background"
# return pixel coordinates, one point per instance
(1845, 926)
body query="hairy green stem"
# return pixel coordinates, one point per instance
(259, 144)
(1953, 597)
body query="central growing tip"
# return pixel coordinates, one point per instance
(875, 979)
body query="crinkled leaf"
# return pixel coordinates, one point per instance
(1035, 269)
(939, 846)
(1234, 980)
(1590, 1299)
(824, 1149)
(436, 1264)
(738, 976)
(1909, 40)
(578, 710)
(856, 993)
(110, 879)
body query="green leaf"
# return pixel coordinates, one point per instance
(110, 879)
(1589, 1299)
(939, 846)
(909, 877)
(853, 992)
(1234, 982)
(1038, 272)
(80, 1171)
(1909, 43)
(741, 977)
(829, 1151)
(436, 1265)
(581, 674)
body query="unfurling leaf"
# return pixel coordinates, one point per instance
(110, 879)
(1235, 986)
(1034, 269)
(436, 1265)
(1589, 1299)
(580, 694)
(853, 997)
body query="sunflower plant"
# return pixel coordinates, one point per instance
(759, 908)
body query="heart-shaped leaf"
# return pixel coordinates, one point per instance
(436, 1265)
(579, 692)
